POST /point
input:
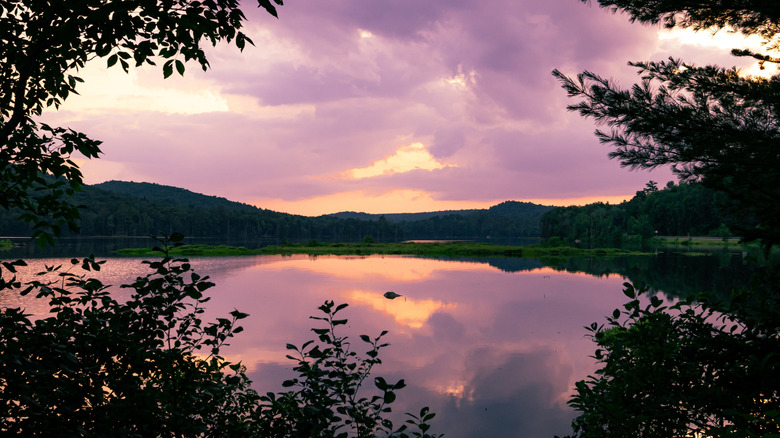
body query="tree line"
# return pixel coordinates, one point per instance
(149, 365)
(684, 209)
(118, 208)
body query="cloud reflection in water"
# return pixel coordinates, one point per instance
(493, 351)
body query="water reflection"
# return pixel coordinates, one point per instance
(493, 352)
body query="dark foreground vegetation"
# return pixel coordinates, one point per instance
(705, 365)
(150, 366)
(699, 366)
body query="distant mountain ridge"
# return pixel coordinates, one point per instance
(397, 217)
(180, 196)
(174, 195)
(122, 208)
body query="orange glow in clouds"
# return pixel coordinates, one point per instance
(374, 267)
(405, 201)
(406, 311)
(405, 159)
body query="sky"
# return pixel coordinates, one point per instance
(383, 107)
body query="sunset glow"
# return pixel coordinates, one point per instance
(406, 312)
(405, 159)
(374, 108)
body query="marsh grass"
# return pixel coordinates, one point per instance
(427, 249)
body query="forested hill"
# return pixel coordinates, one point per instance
(173, 195)
(399, 217)
(137, 209)
(507, 208)
(687, 209)
(509, 219)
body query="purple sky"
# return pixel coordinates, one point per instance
(381, 107)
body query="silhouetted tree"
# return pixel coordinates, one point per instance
(706, 367)
(709, 123)
(43, 45)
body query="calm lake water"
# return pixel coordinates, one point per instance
(494, 346)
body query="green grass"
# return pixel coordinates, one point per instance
(428, 249)
(6, 244)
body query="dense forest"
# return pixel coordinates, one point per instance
(118, 208)
(685, 209)
(508, 219)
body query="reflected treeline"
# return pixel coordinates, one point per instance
(506, 264)
(677, 274)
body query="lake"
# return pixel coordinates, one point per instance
(493, 346)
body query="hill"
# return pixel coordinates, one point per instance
(121, 208)
(174, 195)
(684, 209)
(398, 217)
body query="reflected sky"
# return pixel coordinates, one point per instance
(493, 353)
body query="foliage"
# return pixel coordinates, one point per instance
(155, 208)
(676, 210)
(682, 370)
(752, 17)
(509, 219)
(328, 399)
(97, 367)
(705, 368)
(152, 367)
(710, 123)
(43, 44)
(134, 209)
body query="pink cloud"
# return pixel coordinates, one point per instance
(338, 85)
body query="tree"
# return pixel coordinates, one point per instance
(690, 371)
(709, 123)
(98, 367)
(702, 367)
(149, 366)
(44, 43)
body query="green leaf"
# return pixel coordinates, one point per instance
(238, 315)
(266, 4)
(180, 67)
(629, 290)
(112, 60)
(168, 69)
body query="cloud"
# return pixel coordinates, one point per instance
(332, 89)
(406, 158)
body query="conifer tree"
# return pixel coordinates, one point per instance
(710, 123)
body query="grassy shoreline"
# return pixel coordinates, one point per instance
(697, 242)
(428, 249)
